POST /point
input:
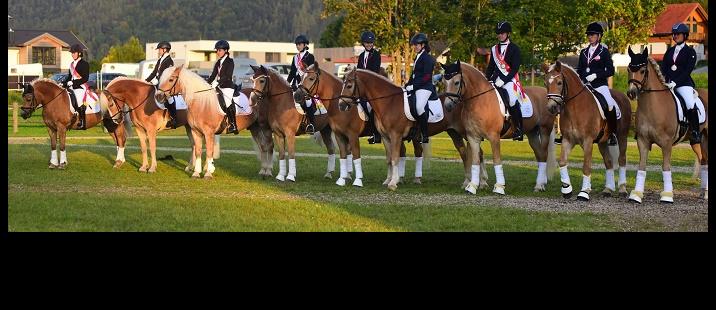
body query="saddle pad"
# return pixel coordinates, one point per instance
(242, 105)
(362, 114)
(320, 108)
(680, 110)
(91, 109)
(178, 101)
(601, 111)
(435, 106)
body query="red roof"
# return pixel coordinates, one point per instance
(354, 59)
(675, 13)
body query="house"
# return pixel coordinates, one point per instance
(691, 14)
(51, 48)
(203, 51)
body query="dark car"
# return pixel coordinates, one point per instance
(106, 78)
(59, 77)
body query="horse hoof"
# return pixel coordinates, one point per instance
(52, 166)
(539, 188)
(195, 175)
(635, 197)
(623, 190)
(187, 169)
(667, 197)
(567, 195)
(117, 164)
(607, 192)
(392, 187)
(291, 178)
(417, 181)
(471, 188)
(566, 191)
(341, 182)
(144, 169)
(358, 182)
(582, 196)
(385, 183)
(62, 166)
(705, 195)
(328, 175)
(152, 170)
(499, 189)
(483, 185)
(208, 176)
(281, 178)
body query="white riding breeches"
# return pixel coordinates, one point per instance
(604, 90)
(687, 92)
(421, 100)
(510, 87)
(228, 94)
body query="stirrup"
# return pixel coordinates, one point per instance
(558, 140)
(612, 139)
(518, 136)
(310, 129)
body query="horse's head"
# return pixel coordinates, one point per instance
(454, 84)
(309, 83)
(261, 83)
(555, 83)
(638, 72)
(349, 93)
(29, 102)
(169, 84)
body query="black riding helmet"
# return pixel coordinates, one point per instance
(367, 36)
(594, 28)
(681, 28)
(164, 44)
(221, 44)
(301, 39)
(419, 38)
(503, 27)
(76, 48)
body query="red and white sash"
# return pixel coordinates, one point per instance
(504, 67)
(85, 86)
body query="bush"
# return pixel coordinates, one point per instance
(14, 96)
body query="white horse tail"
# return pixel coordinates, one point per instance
(551, 156)
(127, 122)
(317, 138)
(614, 154)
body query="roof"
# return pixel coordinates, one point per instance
(354, 59)
(21, 36)
(676, 13)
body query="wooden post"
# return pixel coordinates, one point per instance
(217, 148)
(14, 117)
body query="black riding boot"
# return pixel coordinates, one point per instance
(231, 114)
(310, 114)
(374, 130)
(423, 123)
(694, 125)
(516, 113)
(82, 123)
(612, 126)
(172, 123)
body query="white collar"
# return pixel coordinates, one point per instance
(163, 56)
(418, 55)
(77, 60)
(680, 46)
(221, 60)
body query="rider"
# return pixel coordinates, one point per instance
(300, 62)
(595, 66)
(164, 61)
(421, 81)
(77, 80)
(370, 60)
(505, 56)
(224, 85)
(679, 61)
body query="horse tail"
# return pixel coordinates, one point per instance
(317, 138)
(127, 122)
(614, 154)
(551, 156)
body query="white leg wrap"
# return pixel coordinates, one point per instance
(564, 175)
(541, 173)
(359, 168)
(53, 158)
(475, 175)
(292, 166)
(668, 186)
(640, 178)
(344, 169)
(499, 175)
(331, 162)
(63, 157)
(281, 167)
(350, 163)
(622, 175)
(197, 164)
(401, 167)
(705, 176)
(210, 165)
(120, 154)
(610, 179)
(586, 183)
(418, 167)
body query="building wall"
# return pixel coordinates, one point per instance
(13, 56)
(195, 50)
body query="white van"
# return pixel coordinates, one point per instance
(147, 66)
(128, 69)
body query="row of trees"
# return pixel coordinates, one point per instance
(544, 29)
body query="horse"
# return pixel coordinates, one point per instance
(581, 124)
(55, 104)
(205, 119)
(467, 87)
(272, 94)
(656, 122)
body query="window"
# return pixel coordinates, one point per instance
(241, 54)
(696, 28)
(43, 55)
(273, 57)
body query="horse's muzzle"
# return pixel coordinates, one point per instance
(26, 112)
(299, 96)
(632, 92)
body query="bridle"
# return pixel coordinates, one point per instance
(563, 93)
(459, 95)
(356, 92)
(34, 105)
(640, 85)
(267, 88)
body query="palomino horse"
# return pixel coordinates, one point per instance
(656, 122)
(582, 125)
(386, 99)
(205, 119)
(482, 119)
(55, 104)
(274, 97)
(347, 125)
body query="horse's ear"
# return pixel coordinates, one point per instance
(558, 66)
(253, 67)
(442, 65)
(545, 68)
(631, 53)
(645, 52)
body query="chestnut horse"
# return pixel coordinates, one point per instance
(482, 118)
(581, 124)
(273, 96)
(656, 122)
(55, 103)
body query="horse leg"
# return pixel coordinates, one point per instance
(343, 151)
(120, 139)
(395, 143)
(483, 170)
(62, 133)
(387, 146)
(267, 144)
(209, 169)
(622, 166)
(152, 139)
(563, 169)
(418, 150)
(667, 196)
(331, 149)
(609, 186)
(704, 161)
(587, 146)
(190, 165)
(497, 163)
(54, 161)
(196, 137)
(291, 145)
(462, 150)
(401, 162)
(354, 144)
(474, 143)
(141, 134)
(637, 194)
(538, 143)
(281, 176)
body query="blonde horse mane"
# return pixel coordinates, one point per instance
(273, 72)
(474, 68)
(655, 66)
(192, 83)
(45, 80)
(376, 75)
(126, 78)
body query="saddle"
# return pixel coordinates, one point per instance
(73, 99)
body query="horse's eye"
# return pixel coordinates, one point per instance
(457, 83)
(262, 81)
(311, 79)
(349, 86)
(559, 83)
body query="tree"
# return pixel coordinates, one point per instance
(331, 37)
(131, 51)
(629, 21)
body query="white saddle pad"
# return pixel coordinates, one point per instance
(525, 106)
(436, 110)
(699, 107)
(242, 105)
(93, 106)
(178, 101)
(320, 108)
(601, 112)
(362, 114)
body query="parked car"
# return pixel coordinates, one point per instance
(106, 78)
(59, 77)
(283, 70)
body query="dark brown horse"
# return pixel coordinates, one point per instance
(656, 123)
(482, 118)
(274, 96)
(55, 104)
(581, 124)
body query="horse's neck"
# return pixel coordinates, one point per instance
(51, 94)
(281, 95)
(653, 82)
(477, 84)
(329, 87)
(380, 89)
